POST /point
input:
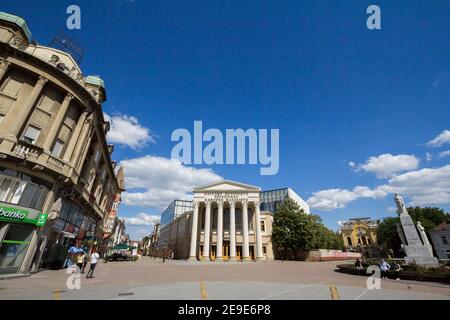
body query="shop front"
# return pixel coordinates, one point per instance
(18, 226)
(74, 227)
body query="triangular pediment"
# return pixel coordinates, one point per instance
(227, 185)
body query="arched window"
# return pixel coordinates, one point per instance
(349, 241)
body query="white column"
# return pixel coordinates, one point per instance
(219, 230)
(193, 251)
(207, 234)
(245, 248)
(259, 252)
(232, 231)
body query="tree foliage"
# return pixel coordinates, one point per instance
(295, 230)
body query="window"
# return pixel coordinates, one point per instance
(444, 240)
(263, 226)
(31, 134)
(56, 152)
(264, 250)
(349, 241)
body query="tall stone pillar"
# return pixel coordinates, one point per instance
(193, 250)
(207, 230)
(21, 112)
(259, 251)
(245, 248)
(57, 122)
(74, 137)
(84, 142)
(219, 253)
(232, 230)
(4, 65)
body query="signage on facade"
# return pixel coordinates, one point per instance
(9, 214)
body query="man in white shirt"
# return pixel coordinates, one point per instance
(93, 263)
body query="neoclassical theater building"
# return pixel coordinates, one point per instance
(224, 222)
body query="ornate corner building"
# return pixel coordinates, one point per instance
(360, 235)
(58, 185)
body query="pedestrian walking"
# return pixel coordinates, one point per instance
(93, 263)
(85, 262)
(80, 261)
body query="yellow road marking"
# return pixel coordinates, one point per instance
(57, 294)
(334, 292)
(203, 293)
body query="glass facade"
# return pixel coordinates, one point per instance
(73, 228)
(174, 210)
(271, 199)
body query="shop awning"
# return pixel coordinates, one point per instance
(123, 247)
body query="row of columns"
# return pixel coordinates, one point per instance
(19, 116)
(219, 253)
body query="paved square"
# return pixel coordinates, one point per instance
(153, 279)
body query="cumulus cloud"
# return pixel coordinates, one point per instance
(444, 154)
(440, 140)
(331, 199)
(126, 131)
(429, 186)
(387, 165)
(428, 156)
(157, 181)
(142, 219)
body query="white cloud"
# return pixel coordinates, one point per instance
(142, 219)
(429, 186)
(428, 156)
(387, 165)
(126, 131)
(161, 181)
(331, 199)
(441, 139)
(444, 154)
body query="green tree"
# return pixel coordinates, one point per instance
(294, 230)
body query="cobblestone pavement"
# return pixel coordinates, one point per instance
(153, 279)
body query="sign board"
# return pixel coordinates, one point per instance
(19, 215)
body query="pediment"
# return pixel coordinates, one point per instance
(227, 185)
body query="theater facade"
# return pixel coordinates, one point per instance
(224, 223)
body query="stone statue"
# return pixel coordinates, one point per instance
(423, 234)
(415, 243)
(400, 205)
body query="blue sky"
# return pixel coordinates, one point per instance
(339, 93)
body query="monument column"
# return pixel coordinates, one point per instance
(193, 250)
(207, 230)
(21, 112)
(74, 137)
(4, 65)
(245, 249)
(232, 257)
(259, 252)
(219, 230)
(57, 122)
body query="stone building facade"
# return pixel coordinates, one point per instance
(57, 180)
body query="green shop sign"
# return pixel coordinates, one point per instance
(9, 214)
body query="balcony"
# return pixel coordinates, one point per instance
(36, 155)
